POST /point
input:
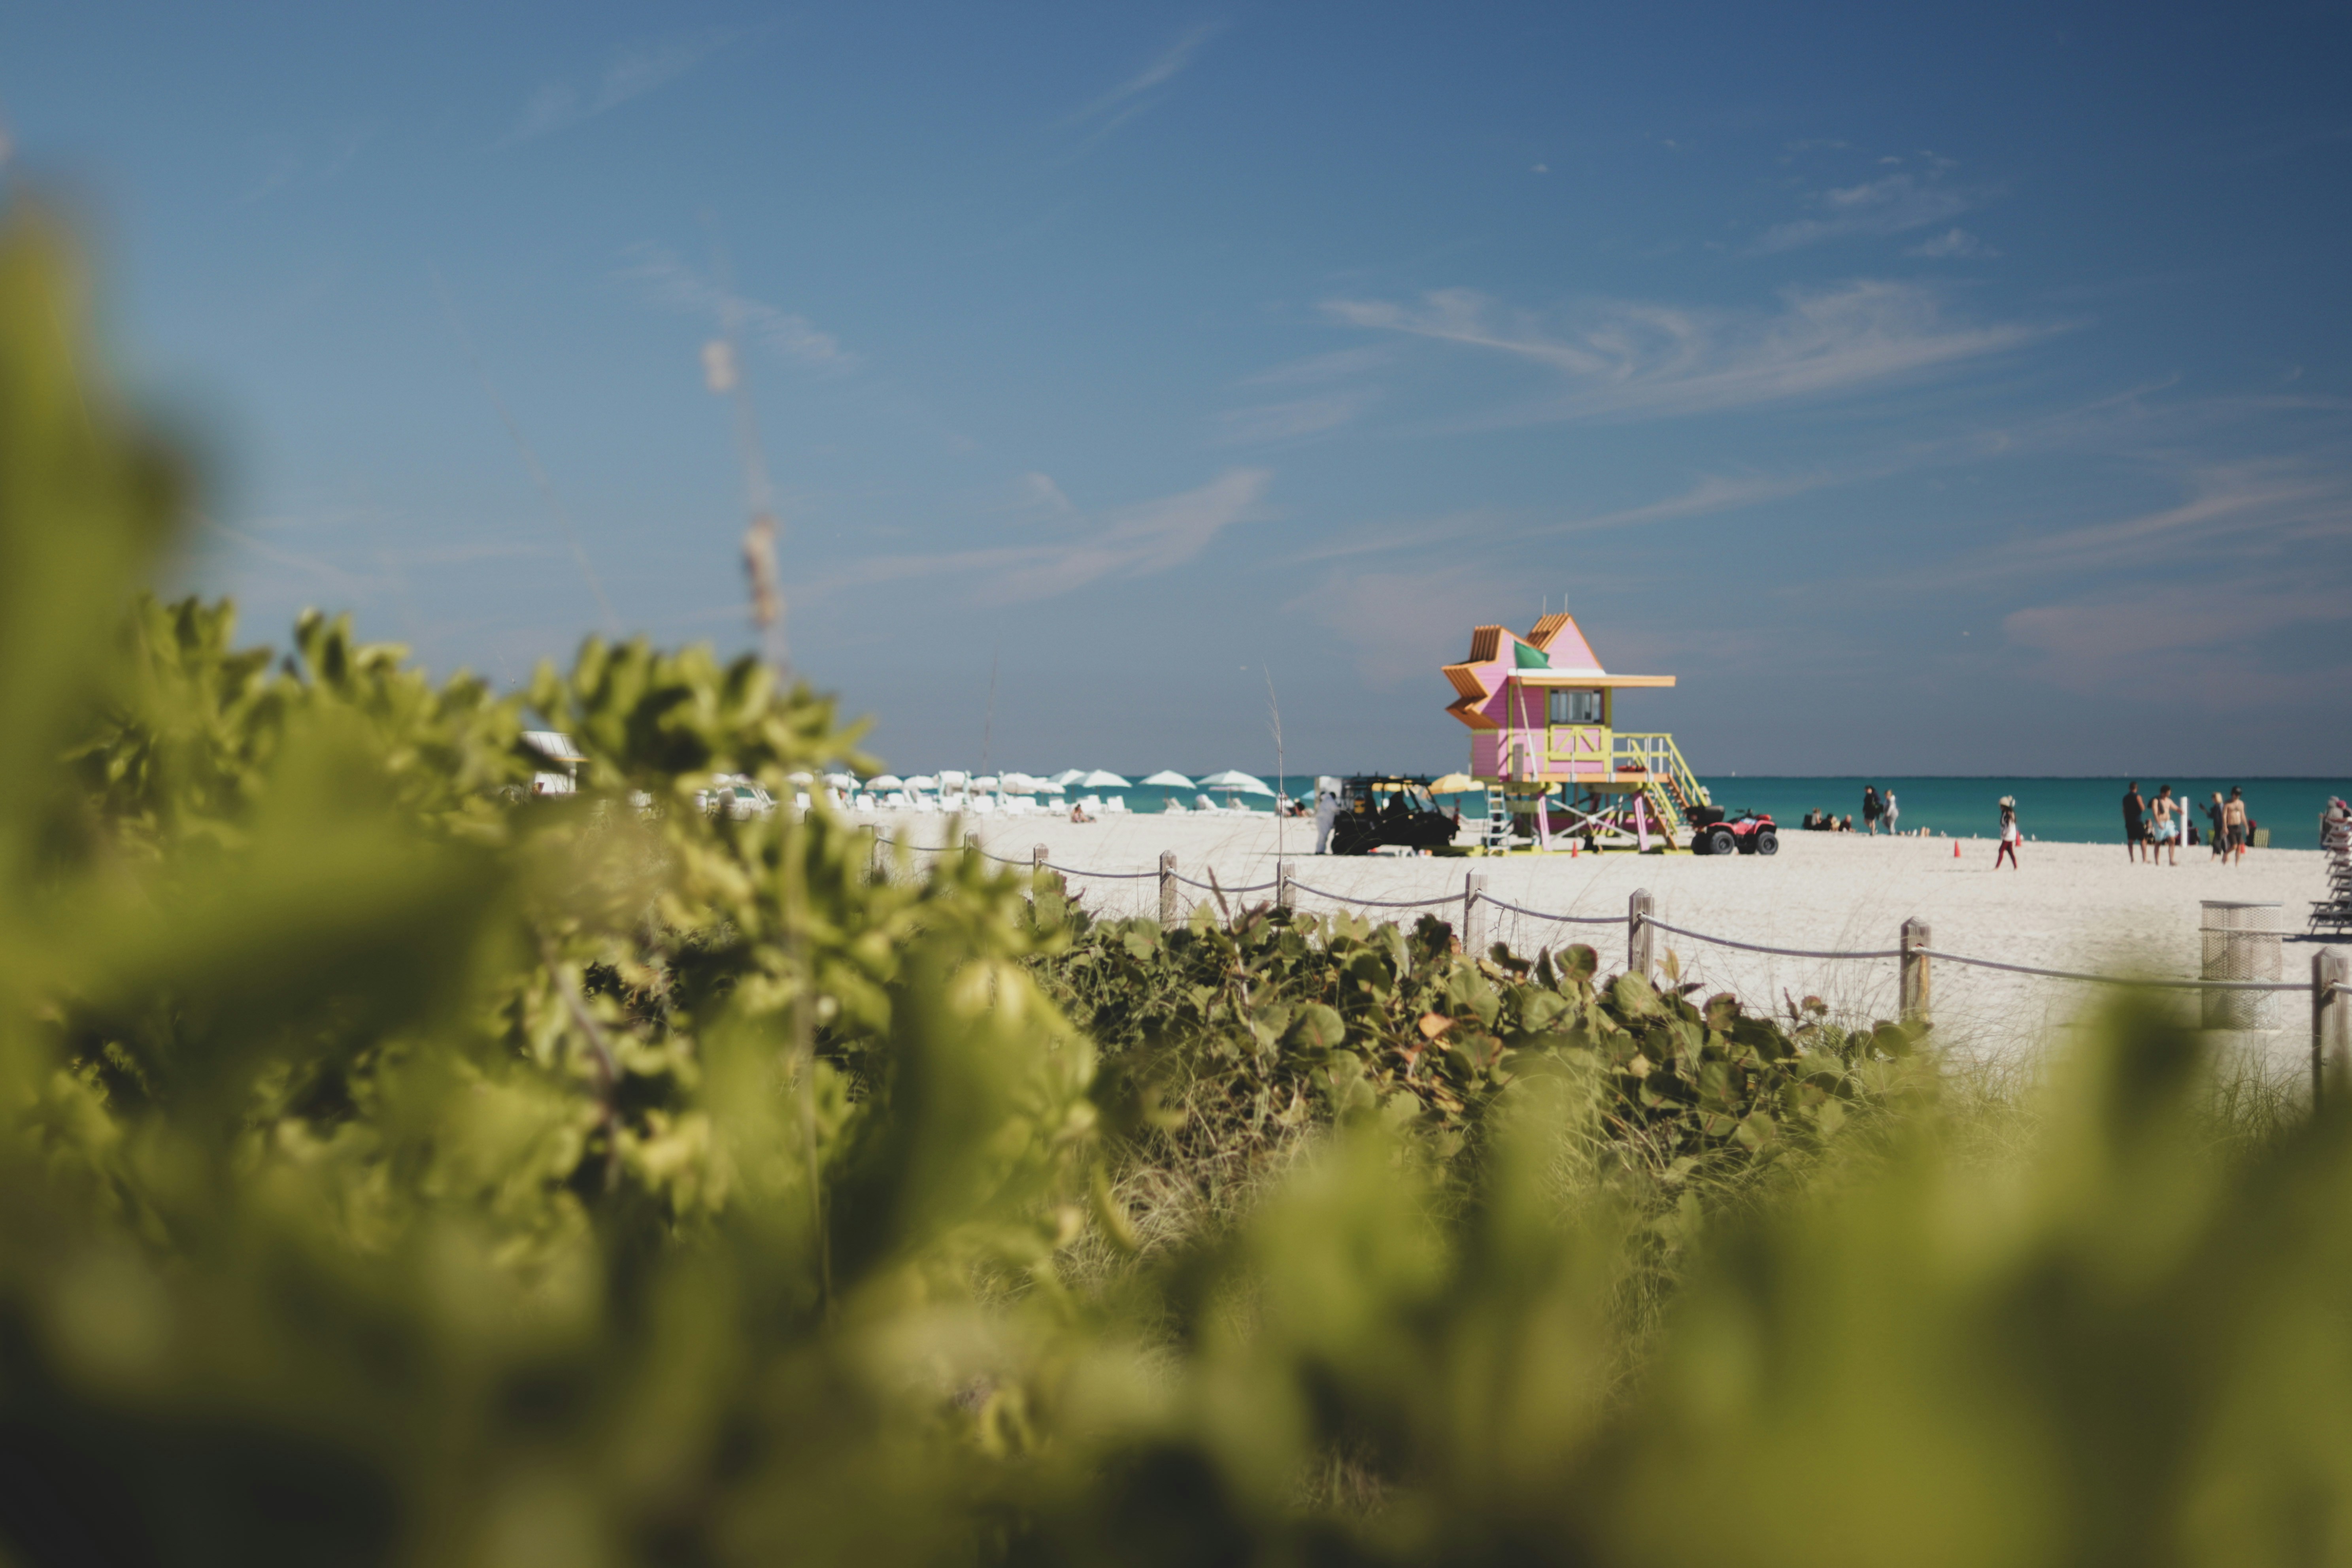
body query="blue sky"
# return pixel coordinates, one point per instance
(1932, 392)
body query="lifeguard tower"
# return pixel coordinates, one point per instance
(1544, 741)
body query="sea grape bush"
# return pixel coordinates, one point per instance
(397, 1172)
(1266, 1019)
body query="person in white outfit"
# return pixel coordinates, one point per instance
(1891, 812)
(1327, 812)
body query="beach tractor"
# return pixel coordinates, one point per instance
(1744, 833)
(1558, 771)
(1390, 810)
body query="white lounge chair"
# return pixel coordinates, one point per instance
(1174, 807)
(865, 805)
(1206, 804)
(1116, 805)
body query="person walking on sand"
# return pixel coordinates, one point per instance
(1889, 813)
(1327, 812)
(2233, 819)
(1870, 809)
(2216, 832)
(2135, 820)
(2166, 821)
(2008, 834)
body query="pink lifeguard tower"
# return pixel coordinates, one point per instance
(1544, 741)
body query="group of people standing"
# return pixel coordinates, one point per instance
(1877, 811)
(2163, 825)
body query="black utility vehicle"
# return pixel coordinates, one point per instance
(1381, 809)
(1749, 833)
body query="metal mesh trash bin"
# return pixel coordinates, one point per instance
(2241, 942)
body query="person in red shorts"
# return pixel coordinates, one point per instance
(2008, 834)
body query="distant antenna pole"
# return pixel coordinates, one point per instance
(1281, 764)
(723, 369)
(988, 726)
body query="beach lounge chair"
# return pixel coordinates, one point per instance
(1091, 805)
(1116, 805)
(865, 806)
(1206, 804)
(1174, 806)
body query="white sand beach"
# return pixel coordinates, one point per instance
(2071, 906)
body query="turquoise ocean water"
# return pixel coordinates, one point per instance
(2067, 810)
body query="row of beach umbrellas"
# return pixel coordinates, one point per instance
(1060, 784)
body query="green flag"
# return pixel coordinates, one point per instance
(1531, 657)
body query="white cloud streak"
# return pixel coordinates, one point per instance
(1626, 360)
(1954, 245)
(1135, 95)
(1130, 541)
(2197, 640)
(674, 285)
(1269, 422)
(632, 74)
(1892, 204)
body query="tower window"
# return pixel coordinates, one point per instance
(1575, 706)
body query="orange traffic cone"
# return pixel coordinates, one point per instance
(1956, 848)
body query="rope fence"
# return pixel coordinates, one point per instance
(2330, 986)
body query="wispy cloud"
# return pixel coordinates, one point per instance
(1954, 244)
(1892, 204)
(1139, 92)
(2269, 503)
(1128, 542)
(1317, 369)
(2200, 641)
(289, 168)
(1285, 421)
(1625, 360)
(1039, 496)
(674, 285)
(1713, 493)
(631, 74)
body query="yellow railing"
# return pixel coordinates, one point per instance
(1658, 756)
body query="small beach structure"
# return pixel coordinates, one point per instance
(1545, 745)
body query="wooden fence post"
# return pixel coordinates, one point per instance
(1167, 890)
(1638, 950)
(1473, 914)
(1037, 861)
(1282, 886)
(2331, 1020)
(1914, 984)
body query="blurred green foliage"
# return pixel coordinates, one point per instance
(401, 1171)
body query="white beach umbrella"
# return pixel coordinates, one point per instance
(987, 781)
(1240, 782)
(1101, 780)
(1052, 786)
(886, 781)
(800, 778)
(1166, 780)
(1019, 783)
(840, 780)
(1068, 776)
(923, 781)
(950, 778)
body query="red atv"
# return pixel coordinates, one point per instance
(1749, 833)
